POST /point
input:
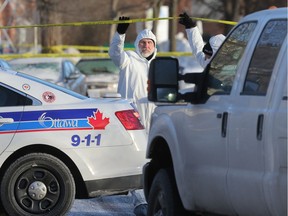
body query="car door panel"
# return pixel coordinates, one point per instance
(207, 151)
(208, 122)
(249, 117)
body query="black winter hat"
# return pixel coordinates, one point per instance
(207, 49)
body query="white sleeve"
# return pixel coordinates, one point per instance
(121, 60)
(116, 50)
(196, 43)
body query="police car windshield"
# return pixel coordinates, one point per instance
(52, 85)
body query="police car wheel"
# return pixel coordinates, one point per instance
(163, 197)
(37, 184)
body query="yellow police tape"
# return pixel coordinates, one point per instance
(86, 48)
(87, 55)
(103, 50)
(106, 22)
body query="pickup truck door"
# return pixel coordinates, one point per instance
(248, 121)
(276, 166)
(205, 154)
(205, 157)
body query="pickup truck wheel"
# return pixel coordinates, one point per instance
(37, 184)
(164, 197)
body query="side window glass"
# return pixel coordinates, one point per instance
(224, 66)
(67, 69)
(264, 58)
(10, 98)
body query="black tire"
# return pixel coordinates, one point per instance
(37, 184)
(164, 198)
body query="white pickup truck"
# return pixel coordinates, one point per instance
(222, 148)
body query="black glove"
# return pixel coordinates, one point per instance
(122, 27)
(186, 21)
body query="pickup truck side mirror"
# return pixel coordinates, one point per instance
(163, 82)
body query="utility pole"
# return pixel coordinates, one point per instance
(173, 24)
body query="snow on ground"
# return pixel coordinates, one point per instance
(117, 205)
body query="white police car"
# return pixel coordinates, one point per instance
(56, 145)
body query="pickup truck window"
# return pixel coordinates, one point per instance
(224, 66)
(264, 58)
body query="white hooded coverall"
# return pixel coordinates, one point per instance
(196, 43)
(133, 74)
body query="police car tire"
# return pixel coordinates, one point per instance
(164, 197)
(17, 184)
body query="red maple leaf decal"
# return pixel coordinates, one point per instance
(97, 121)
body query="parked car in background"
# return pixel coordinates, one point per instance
(4, 64)
(60, 71)
(57, 145)
(102, 76)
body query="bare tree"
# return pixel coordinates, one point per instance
(49, 36)
(114, 14)
(130, 8)
(233, 10)
(156, 5)
(172, 24)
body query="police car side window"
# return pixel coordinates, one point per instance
(264, 58)
(224, 66)
(9, 97)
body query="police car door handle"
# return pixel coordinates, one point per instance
(6, 120)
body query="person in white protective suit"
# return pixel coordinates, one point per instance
(134, 67)
(203, 53)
